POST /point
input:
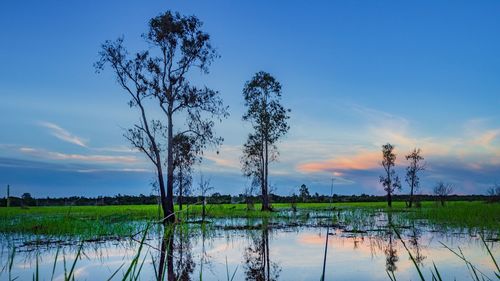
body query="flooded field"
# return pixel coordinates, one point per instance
(361, 246)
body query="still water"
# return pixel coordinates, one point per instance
(259, 250)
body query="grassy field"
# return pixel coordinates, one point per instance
(96, 221)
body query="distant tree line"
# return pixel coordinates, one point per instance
(217, 198)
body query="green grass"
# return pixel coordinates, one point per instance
(97, 221)
(472, 215)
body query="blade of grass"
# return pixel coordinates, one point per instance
(409, 253)
(140, 267)
(64, 264)
(472, 271)
(437, 272)
(227, 272)
(491, 255)
(11, 261)
(464, 259)
(36, 275)
(134, 262)
(153, 262)
(393, 277)
(54, 265)
(72, 270)
(114, 273)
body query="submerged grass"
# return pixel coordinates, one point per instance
(87, 222)
(475, 273)
(93, 221)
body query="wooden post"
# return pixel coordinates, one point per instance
(8, 195)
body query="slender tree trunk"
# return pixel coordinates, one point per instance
(266, 249)
(203, 211)
(411, 193)
(263, 256)
(265, 169)
(389, 186)
(159, 169)
(180, 188)
(170, 216)
(161, 183)
(265, 156)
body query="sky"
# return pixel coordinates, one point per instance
(355, 74)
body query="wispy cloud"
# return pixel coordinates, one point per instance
(470, 154)
(116, 148)
(125, 170)
(63, 134)
(487, 138)
(363, 160)
(40, 153)
(227, 159)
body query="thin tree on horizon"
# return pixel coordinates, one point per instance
(412, 172)
(390, 181)
(262, 95)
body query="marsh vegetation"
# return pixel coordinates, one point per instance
(127, 242)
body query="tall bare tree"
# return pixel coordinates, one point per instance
(146, 134)
(414, 168)
(262, 96)
(176, 46)
(494, 193)
(389, 180)
(204, 187)
(443, 190)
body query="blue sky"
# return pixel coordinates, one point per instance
(356, 74)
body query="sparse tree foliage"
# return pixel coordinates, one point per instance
(412, 172)
(494, 193)
(176, 46)
(144, 135)
(390, 251)
(27, 199)
(389, 180)
(268, 117)
(443, 190)
(185, 156)
(248, 194)
(204, 187)
(257, 262)
(304, 192)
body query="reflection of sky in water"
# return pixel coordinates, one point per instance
(297, 254)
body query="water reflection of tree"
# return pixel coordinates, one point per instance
(415, 234)
(258, 265)
(391, 252)
(166, 254)
(184, 264)
(204, 257)
(176, 261)
(386, 242)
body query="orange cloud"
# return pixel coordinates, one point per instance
(364, 160)
(486, 138)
